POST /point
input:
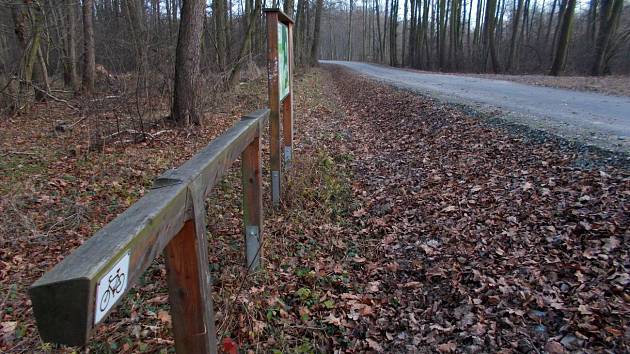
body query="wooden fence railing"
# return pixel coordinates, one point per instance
(78, 293)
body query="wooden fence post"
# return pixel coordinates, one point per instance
(252, 201)
(189, 284)
(274, 106)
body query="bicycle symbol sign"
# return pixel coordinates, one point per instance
(111, 287)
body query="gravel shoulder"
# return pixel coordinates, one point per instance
(587, 118)
(608, 85)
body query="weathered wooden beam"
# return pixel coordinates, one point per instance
(282, 17)
(79, 292)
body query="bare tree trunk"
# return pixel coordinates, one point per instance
(365, 31)
(319, 8)
(71, 77)
(441, 42)
(404, 34)
(591, 26)
(185, 110)
(560, 57)
(219, 14)
(476, 52)
(89, 56)
(139, 35)
(393, 34)
(300, 37)
(554, 43)
(541, 21)
(608, 16)
(249, 34)
(489, 36)
(454, 37)
(350, 30)
(424, 33)
(385, 31)
(378, 29)
(20, 21)
(550, 22)
(515, 22)
(413, 27)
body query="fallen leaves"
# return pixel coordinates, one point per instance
(527, 243)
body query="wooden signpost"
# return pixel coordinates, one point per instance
(81, 291)
(280, 84)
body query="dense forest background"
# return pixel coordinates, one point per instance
(501, 36)
(52, 48)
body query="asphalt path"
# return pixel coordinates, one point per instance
(589, 118)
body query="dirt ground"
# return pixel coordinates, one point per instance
(407, 226)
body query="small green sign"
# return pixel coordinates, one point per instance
(283, 59)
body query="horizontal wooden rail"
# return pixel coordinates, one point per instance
(78, 293)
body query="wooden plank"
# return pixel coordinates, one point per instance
(189, 287)
(282, 17)
(252, 203)
(64, 298)
(275, 145)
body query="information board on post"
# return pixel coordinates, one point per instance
(280, 85)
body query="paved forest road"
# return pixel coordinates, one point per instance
(590, 118)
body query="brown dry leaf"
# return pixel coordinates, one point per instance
(449, 209)
(447, 347)
(335, 321)
(374, 345)
(164, 317)
(611, 243)
(553, 347)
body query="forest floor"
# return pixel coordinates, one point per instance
(407, 226)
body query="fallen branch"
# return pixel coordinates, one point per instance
(77, 122)
(19, 153)
(49, 95)
(143, 135)
(56, 99)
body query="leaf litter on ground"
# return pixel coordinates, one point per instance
(407, 226)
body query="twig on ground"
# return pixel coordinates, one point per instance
(77, 122)
(19, 153)
(51, 96)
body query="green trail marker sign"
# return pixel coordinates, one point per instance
(283, 59)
